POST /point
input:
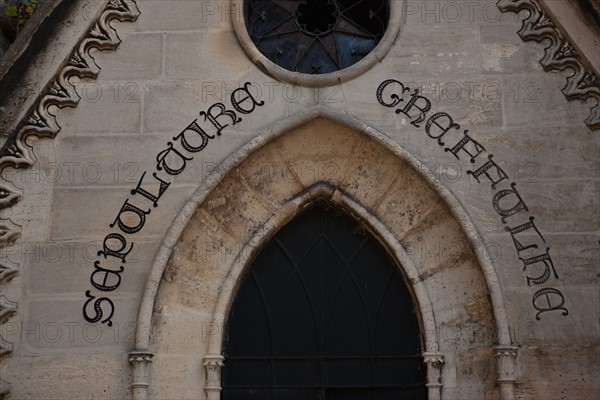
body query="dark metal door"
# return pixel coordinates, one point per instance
(323, 313)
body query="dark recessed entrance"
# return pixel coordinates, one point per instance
(323, 313)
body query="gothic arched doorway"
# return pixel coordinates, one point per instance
(220, 232)
(323, 313)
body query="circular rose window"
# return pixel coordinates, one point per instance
(316, 36)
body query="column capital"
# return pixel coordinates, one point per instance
(214, 360)
(140, 363)
(506, 356)
(213, 364)
(431, 357)
(434, 361)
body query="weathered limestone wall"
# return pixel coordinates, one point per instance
(223, 235)
(180, 58)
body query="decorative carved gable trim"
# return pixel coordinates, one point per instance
(61, 93)
(559, 55)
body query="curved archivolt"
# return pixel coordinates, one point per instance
(270, 187)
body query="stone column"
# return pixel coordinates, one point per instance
(434, 361)
(213, 364)
(140, 364)
(506, 357)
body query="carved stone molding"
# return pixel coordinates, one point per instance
(213, 363)
(5, 348)
(4, 389)
(9, 232)
(8, 196)
(61, 93)
(40, 122)
(434, 362)
(8, 271)
(5, 351)
(7, 310)
(506, 357)
(559, 55)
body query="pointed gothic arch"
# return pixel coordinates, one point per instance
(323, 311)
(220, 230)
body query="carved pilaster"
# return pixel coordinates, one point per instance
(506, 357)
(213, 363)
(140, 364)
(434, 362)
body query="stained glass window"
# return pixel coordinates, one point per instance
(316, 36)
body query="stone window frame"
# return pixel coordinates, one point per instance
(396, 22)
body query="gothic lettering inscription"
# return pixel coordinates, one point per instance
(134, 213)
(538, 267)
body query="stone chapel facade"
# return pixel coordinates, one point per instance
(164, 162)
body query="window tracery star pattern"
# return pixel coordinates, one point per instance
(316, 36)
